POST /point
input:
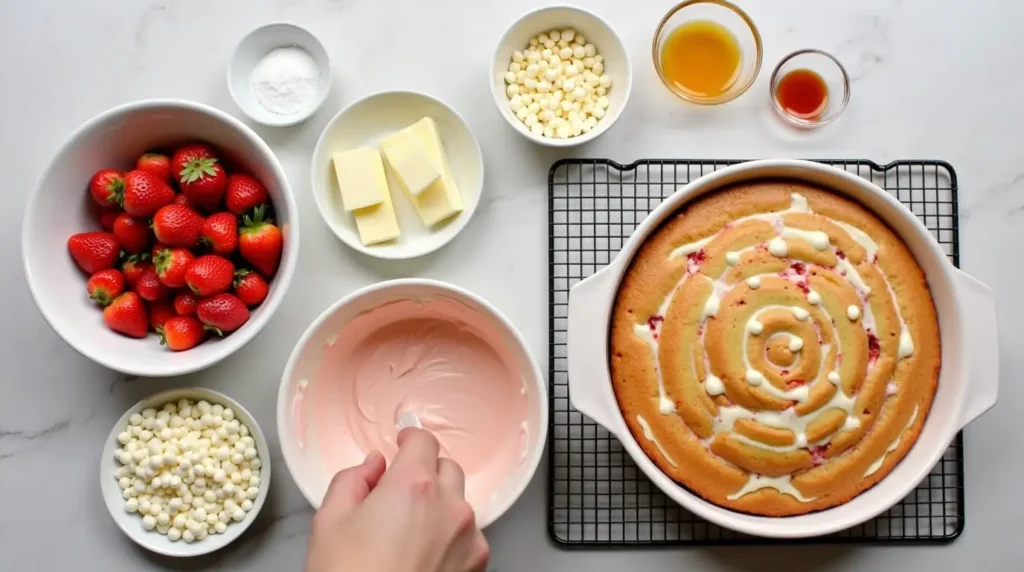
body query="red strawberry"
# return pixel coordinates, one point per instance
(144, 193)
(105, 285)
(159, 312)
(182, 200)
(182, 333)
(134, 267)
(224, 312)
(157, 249)
(250, 287)
(189, 153)
(107, 218)
(203, 181)
(220, 233)
(93, 251)
(210, 274)
(131, 232)
(260, 242)
(171, 265)
(127, 315)
(244, 193)
(175, 225)
(150, 287)
(156, 164)
(185, 303)
(107, 188)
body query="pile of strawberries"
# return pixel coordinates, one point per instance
(186, 249)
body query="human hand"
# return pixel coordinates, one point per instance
(412, 518)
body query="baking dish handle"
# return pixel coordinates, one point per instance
(982, 351)
(588, 347)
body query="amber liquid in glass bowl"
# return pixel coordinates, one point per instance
(701, 58)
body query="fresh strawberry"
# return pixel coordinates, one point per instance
(210, 274)
(134, 267)
(94, 251)
(260, 242)
(180, 199)
(171, 265)
(156, 164)
(185, 303)
(127, 315)
(131, 232)
(183, 156)
(220, 233)
(144, 193)
(244, 193)
(150, 287)
(175, 225)
(105, 285)
(157, 249)
(250, 287)
(107, 188)
(107, 218)
(182, 333)
(224, 312)
(202, 180)
(159, 312)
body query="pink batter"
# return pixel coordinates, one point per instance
(438, 359)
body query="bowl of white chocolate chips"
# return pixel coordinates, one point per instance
(560, 76)
(184, 472)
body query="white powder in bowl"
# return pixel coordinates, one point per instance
(286, 81)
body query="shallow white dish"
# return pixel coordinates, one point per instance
(597, 31)
(131, 524)
(365, 123)
(251, 50)
(968, 381)
(304, 463)
(60, 207)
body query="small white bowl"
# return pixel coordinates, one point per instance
(131, 523)
(60, 207)
(251, 50)
(365, 123)
(597, 32)
(304, 462)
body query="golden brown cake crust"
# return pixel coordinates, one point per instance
(793, 439)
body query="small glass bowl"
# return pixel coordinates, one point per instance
(733, 19)
(831, 72)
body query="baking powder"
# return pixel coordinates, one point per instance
(286, 81)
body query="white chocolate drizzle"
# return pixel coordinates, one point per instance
(892, 447)
(649, 435)
(852, 312)
(780, 484)
(816, 238)
(778, 247)
(713, 385)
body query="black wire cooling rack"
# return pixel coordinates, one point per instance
(597, 496)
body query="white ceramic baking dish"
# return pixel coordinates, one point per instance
(968, 381)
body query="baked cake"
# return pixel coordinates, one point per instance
(775, 348)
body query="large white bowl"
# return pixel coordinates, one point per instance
(131, 524)
(968, 382)
(304, 463)
(363, 124)
(60, 207)
(597, 31)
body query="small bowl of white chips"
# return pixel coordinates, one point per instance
(184, 472)
(561, 76)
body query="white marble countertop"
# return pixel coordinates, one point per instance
(932, 79)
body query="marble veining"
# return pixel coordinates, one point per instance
(910, 59)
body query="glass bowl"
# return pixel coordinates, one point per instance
(735, 21)
(829, 70)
